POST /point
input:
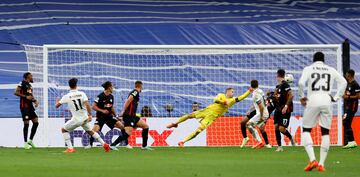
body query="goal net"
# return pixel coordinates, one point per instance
(176, 76)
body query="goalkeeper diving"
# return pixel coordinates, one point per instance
(206, 116)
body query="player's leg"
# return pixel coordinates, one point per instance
(309, 121)
(277, 121)
(251, 125)
(25, 118)
(204, 123)
(68, 127)
(325, 124)
(87, 127)
(25, 134)
(243, 127)
(264, 135)
(201, 128)
(98, 125)
(96, 128)
(145, 133)
(118, 124)
(186, 117)
(283, 127)
(35, 124)
(348, 132)
(126, 132)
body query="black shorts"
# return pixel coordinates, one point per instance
(251, 114)
(130, 121)
(282, 119)
(109, 121)
(28, 114)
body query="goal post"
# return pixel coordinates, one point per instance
(177, 75)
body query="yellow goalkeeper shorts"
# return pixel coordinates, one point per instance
(207, 117)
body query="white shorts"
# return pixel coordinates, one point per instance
(313, 114)
(257, 120)
(74, 123)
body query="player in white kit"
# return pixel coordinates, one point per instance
(319, 78)
(261, 115)
(79, 107)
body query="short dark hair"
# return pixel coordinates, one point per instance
(319, 56)
(138, 83)
(195, 102)
(229, 88)
(106, 85)
(73, 83)
(351, 72)
(26, 75)
(281, 73)
(254, 84)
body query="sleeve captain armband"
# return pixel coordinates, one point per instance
(237, 99)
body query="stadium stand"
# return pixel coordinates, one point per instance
(156, 22)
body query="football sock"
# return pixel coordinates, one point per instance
(122, 137)
(25, 132)
(287, 134)
(243, 130)
(324, 148)
(145, 133)
(98, 138)
(264, 135)
(67, 140)
(308, 144)
(33, 130)
(278, 136)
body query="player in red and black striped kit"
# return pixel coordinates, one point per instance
(283, 110)
(25, 91)
(131, 120)
(351, 99)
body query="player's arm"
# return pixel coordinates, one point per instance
(113, 112)
(87, 106)
(19, 94)
(341, 85)
(243, 96)
(88, 109)
(301, 85)
(127, 103)
(239, 98)
(356, 96)
(290, 98)
(97, 109)
(59, 102)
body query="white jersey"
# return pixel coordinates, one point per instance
(320, 78)
(258, 97)
(75, 100)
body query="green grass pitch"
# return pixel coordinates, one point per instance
(174, 162)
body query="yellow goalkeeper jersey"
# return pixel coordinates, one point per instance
(219, 108)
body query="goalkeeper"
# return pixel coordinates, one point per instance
(207, 116)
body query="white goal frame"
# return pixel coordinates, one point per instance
(46, 47)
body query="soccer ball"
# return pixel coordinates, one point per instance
(289, 78)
